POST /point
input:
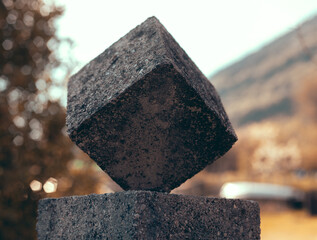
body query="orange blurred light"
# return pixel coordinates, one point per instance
(50, 185)
(36, 185)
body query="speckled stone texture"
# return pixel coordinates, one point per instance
(145, 113)
(147, 215)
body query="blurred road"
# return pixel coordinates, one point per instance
(290, 225)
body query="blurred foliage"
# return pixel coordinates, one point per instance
(286, 144)
(280, 149)
(34, 148)
(306, 98)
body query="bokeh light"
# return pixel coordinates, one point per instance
(50, 185)
(36, 186)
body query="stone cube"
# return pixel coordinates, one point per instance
(145, 113)
(147, 215)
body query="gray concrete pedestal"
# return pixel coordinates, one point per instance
(147, 215)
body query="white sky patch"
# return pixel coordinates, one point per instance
(55, 92)
(3, 83)
(214, 33)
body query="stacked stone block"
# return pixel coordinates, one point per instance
(150, 119)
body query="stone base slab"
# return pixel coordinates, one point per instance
(147, 215)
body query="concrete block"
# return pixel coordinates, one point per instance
(147, 215)
(145, 113)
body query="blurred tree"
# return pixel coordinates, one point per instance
(36, 156)
(306, 98)
(306, 102)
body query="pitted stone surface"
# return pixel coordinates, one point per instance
(145, 113)
(147, 215)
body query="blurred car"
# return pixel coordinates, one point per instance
(267, 191)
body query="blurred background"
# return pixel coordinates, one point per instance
(260, 55)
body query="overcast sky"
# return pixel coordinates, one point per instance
(214, 33)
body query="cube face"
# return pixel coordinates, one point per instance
(156, 129)
(113, 71)
(147, 215)
(154, 136)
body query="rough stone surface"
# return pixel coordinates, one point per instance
(145, 113)
(147, 215)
